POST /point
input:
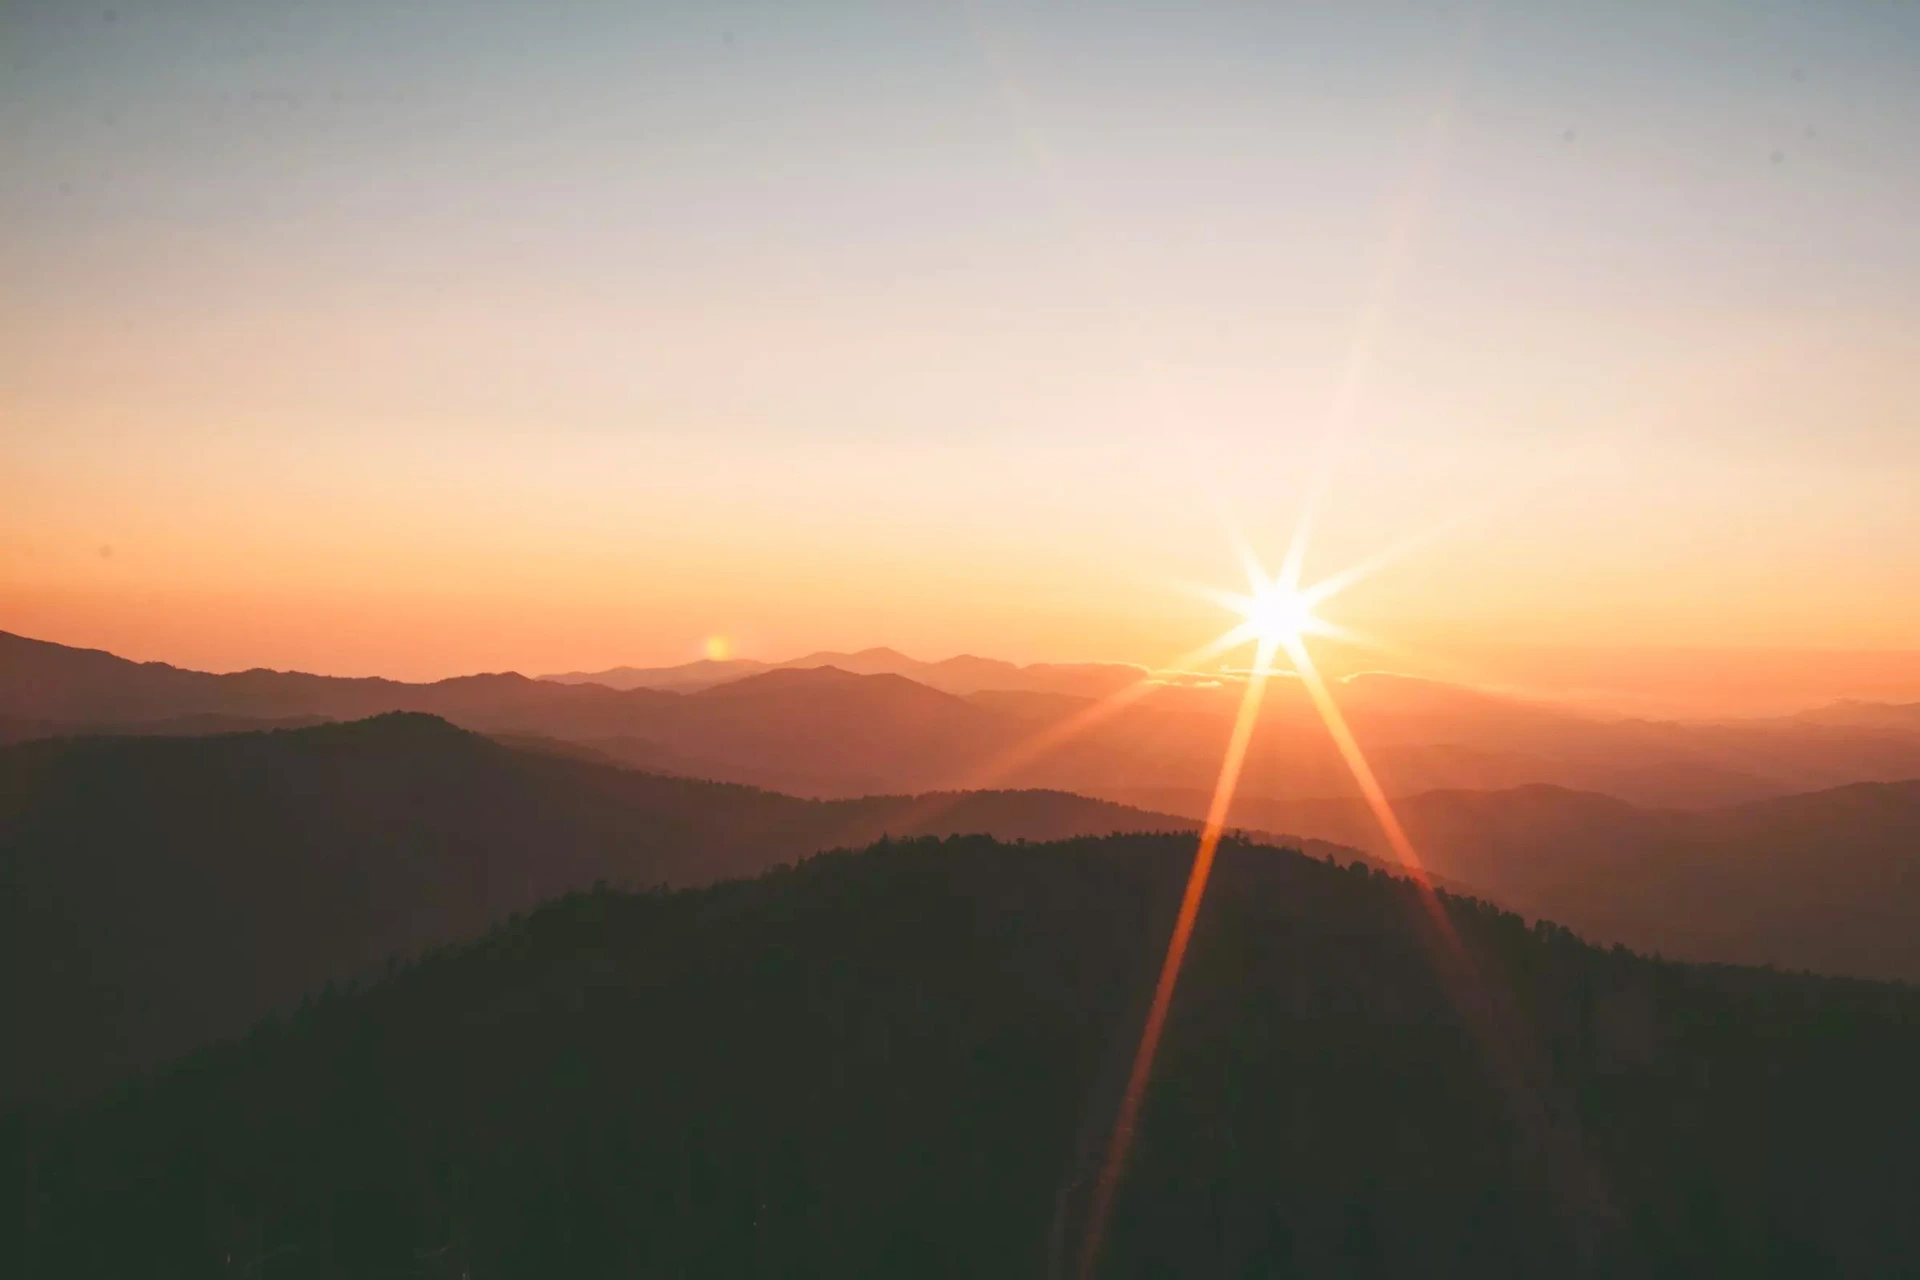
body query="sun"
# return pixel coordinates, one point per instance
(1277, 613)
(1279, 616)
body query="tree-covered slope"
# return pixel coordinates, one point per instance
(902, 1062)
(159, 892)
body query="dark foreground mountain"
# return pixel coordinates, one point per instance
(1828, 880)
(902, 1063)
(157, 892)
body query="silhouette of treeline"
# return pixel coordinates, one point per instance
(901, 1063)
(159, 892)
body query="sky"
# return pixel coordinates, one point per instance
(430, 337)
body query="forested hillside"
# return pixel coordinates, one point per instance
(901, 1063)
(158, 892)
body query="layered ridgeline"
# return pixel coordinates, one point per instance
(1828, 880)
(963, 674)
(902, 1063)
(825, 731)
(158, 892)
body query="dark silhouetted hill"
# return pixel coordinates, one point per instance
(155, 892)
(901, 1063)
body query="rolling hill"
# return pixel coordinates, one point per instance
(688, 677)
(1826, 880)
(903, 1063)
(156, 892)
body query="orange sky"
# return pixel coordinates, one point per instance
(418, 350)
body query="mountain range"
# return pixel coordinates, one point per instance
(962, 674)
(159, 892)
(827, 732)
(500, 976)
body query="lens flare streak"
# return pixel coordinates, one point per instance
(1485, 1006)
(1142, 1069)
(1037, 745)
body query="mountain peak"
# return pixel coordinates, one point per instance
(413, 724)
(874, 661)
(783, 678)
(882, 651)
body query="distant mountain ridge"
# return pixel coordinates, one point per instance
(55, 683)
(1903, 717)
(962, 674)
(829, 732)
(685, 678)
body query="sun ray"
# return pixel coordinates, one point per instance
(1295, 561)
(1121, 1137)
(1234, 601)
(997, 768)
(1363, 775)
(1257, 580)
(1054, 735)
(1484, 1004)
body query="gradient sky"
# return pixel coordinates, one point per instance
(417, 338)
